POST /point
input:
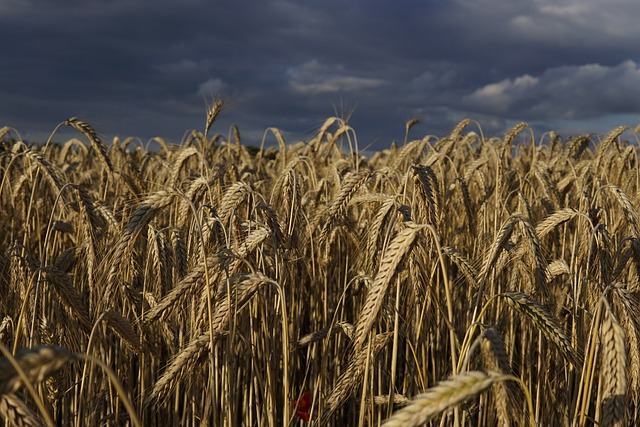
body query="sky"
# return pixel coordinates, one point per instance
(150, 68)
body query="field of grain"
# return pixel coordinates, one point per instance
(467, 280)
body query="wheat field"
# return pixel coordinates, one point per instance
(459, 281)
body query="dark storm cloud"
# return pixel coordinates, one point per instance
(134, 67)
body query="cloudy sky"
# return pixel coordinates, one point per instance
(148, 68)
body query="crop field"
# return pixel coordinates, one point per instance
(467, 280)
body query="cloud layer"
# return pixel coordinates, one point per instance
(132, 69)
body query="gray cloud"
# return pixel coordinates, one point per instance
(131, 68)
(568, 92)
(313, 78)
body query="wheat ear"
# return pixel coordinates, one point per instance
(445, 395)
(37, 364)
(541, 318)
(394, 255)
(16, 413)
(614, 370)
(496, 359)
(93, 138)
(352, 376)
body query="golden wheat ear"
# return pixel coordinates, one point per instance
(36, 364)
(443, 396)
(393, 257)
(15, 412)
(614, 374)
(540, 317)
